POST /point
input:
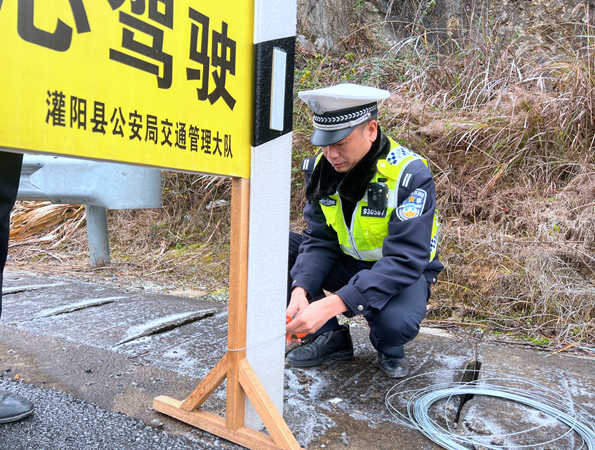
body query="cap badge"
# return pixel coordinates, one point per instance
(315, 106)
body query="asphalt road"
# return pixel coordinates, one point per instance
(93, 357)
(62, 422)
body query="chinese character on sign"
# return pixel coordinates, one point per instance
(206, 141)
(78, 112)
(98, 119)
(56, 109)
(135, 126)
(194, 134)
(217, 148)
(166, 131)
(153, 52)
(58, 40)
(118, 121)
(228, 153)
(181, 135)
(152, 130)
(223, 56)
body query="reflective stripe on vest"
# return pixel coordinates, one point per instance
(364, 238)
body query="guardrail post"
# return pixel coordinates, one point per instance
(97, 235)
(97, 185)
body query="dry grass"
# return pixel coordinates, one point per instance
(31, 218)
(510, 136)
(182, 244)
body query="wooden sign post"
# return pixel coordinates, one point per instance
(234, 366)
(197, 87)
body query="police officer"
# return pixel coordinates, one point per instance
(371, 235)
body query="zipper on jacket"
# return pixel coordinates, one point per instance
(350, 229)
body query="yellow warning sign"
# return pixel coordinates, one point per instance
(154, 82)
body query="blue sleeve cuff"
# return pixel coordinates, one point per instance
(302, 282)
(356, 304)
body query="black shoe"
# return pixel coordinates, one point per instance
(13, 407)
(334, 344)
(392, 366)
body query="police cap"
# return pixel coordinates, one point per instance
(339, 109)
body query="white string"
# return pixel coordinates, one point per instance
(256, 345)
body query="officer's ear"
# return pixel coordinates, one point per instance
(371, 130)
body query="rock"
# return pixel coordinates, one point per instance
(156, 424)
(308, 45)
(215, 204)
(477, 426)
(304, 378)
(497, 441)
(345, 438)
(323, 44)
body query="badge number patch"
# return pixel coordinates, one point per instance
(413, 206)
(370, 212)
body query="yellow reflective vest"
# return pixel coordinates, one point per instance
(364, 238)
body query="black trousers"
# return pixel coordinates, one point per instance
(10, 173)
(392, 326)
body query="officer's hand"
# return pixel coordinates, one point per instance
(315, 315)
(299, 301)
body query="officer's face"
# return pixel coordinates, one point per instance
(345, 154)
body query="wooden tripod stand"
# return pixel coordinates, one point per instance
(241, 379)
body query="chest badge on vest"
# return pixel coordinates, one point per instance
(413, 206)
(328, 201)
(371, 212)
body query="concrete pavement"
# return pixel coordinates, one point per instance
(117, 349)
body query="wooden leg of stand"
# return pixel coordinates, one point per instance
(207, 386)
(215, 424)
(241, 379)
(235, 399)
(266, 408)
(238, 291)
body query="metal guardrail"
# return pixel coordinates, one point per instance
(98, 185)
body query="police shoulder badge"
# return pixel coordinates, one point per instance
(398, 153)
(413, 206)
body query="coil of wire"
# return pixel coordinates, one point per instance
(493, 384)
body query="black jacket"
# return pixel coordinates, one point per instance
(406, 250)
